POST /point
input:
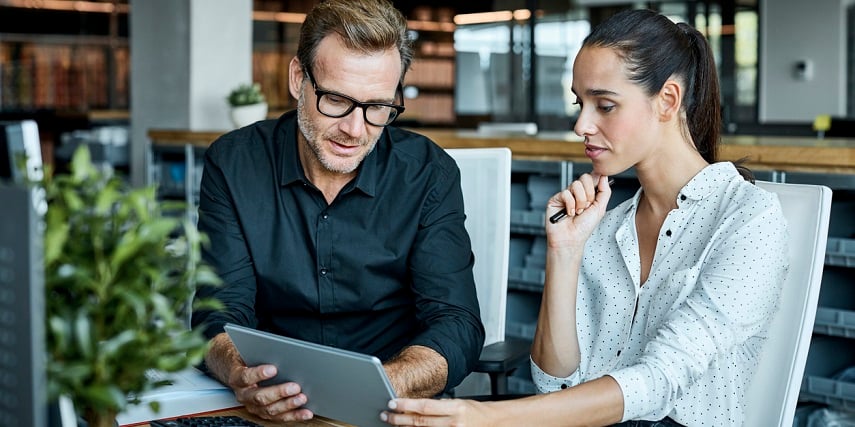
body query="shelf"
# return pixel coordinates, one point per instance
(834, 322)
(840, 394)
(527, 222)
(840, 252)
(520, 329)
(526, 279)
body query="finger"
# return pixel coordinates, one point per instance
(411, 419)
(604, 191)
(286, 409)
(580, 196)
(251, 376)
(274, 414)
(263, 396)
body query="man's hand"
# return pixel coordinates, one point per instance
(281, 402)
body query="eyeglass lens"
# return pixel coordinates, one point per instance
(339, 106)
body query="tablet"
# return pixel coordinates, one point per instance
(339, 384)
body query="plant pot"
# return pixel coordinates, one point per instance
(244, 115)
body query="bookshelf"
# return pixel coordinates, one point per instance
(69, 60)
(60, 58)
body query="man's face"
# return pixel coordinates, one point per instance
(338, 145)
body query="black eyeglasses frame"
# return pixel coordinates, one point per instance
(319, 93)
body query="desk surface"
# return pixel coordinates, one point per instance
(830, 155)
(315, 422)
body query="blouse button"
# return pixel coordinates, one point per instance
(668, 233)
(563, 386)
(682, 197)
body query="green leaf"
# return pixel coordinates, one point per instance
(83, 333)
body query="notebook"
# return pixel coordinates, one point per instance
(339, 384)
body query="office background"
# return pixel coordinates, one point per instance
(106, 73)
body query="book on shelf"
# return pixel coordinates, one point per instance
(190, 392)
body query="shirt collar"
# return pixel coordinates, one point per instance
(708, 180)
(703, 184)
(291, 169)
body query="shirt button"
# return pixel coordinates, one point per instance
(682, 197)
(668, 233)
(323, 272)
(563, 386)
(325, 215)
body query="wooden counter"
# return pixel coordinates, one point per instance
(802, 154)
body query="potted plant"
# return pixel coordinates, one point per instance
(248, 104)
(120, 271)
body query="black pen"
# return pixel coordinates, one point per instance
(563, 212)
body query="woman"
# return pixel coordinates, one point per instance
(656, 310)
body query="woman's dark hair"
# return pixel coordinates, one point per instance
(654, 49)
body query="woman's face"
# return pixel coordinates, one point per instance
(617, 118)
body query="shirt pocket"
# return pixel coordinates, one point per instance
(668, 296)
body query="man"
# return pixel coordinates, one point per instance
(326, 225)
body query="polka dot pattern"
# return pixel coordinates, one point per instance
(684, 345)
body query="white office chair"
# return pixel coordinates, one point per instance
(773, 394)
(485, 175)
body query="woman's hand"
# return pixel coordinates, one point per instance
(584, 201)
(444, 412)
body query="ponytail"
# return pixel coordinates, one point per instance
(655, 49)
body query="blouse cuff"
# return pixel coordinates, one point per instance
(635, 384)
(546, 383)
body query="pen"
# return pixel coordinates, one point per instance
(563, 212)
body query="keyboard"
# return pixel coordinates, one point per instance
(214, 421)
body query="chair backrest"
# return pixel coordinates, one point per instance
(485, 175)
(774, 392)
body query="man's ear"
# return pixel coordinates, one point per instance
(669, 100)
(295, 77)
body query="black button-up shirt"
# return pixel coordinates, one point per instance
(386, 265)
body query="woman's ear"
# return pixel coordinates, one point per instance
(669, 100)
(295, 77)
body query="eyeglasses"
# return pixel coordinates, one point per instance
(336, 105)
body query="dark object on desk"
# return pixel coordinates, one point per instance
(841, 127)
(501, 359)
(215, 421)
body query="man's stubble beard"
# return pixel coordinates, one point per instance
(311, 135)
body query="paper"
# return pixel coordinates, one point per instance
(191, 392)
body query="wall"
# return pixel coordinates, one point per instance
(796, 30)
(186, 55)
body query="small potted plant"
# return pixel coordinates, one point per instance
(248, 104)
(120, 271)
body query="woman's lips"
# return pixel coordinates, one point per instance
(592, 151)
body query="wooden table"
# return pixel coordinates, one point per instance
(785, 153)
(240, 412)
